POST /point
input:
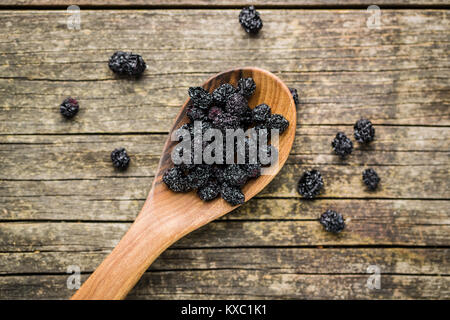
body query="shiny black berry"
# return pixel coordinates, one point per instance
(246, 87)
(295, 96)
(277, 121)
(69, 108)
(310, 184)
(250, 20)
(200, 97)
(371, 178)
(332, 221)
(209, 191)
(120, 158)
(127, 64)
(222, 93)
(176, 180)
(236, 105)
(232, 195)
(342, 145)
(261, 113)
(364, 131)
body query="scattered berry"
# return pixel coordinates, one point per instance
(209, 191)
(120, 158)
(310, 184)
(200, 97)
(250, 20)
(127, 64)
(222, 93)
(236, 104)
(69, 108)
(295, 96)
(246, 87)
(176, 180)
(364, 131)
(370, 178)
(261, 113)
(342, 145)
(232, 195)
(277, 121)
(332, 221)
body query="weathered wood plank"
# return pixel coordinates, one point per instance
(420, 261)
(242, 284)
(396, 75)
(223, 3)
(45, 236)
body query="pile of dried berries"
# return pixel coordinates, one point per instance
(127, 64)
(250, 20)
(225, 108)
(332, 221)
(69, 108)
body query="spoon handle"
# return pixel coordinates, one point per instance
(146, 239)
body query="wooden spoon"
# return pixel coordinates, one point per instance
(167, 216)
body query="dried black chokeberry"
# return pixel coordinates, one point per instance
(127, 64)
(226, 121)
(277, 121)
(199, 176)
(364, 131)
(246, 87)
(195, 113)
(200, 97)
(342, 145)
(235, 175)
(176, 179)
(332, 221)
(214, 112)
(236, 105)
(120, 158)
(222, 93)
(69, 108)
(232, 195)
(310, 184)
(295, 96)
(371, 178)
(250, 20)
(252, 170)
(209, 191)
(261, 113)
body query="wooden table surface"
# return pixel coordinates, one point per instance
(62, 204)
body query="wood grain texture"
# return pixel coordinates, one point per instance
(61, 203)
(222, 3)
(396, 75)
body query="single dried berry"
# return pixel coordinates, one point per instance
(261, 113)
(310, 184)
(209, 191)
(232, 195)
(222, 93)
(371, 178)
(69, 107)
(364, 131)
(127, 64)
(176, 180)
(236, 105)
(120, 158)
(246, 87)
(199, 176)
(342, 145)
(253, 170)
(195, 113)
(295, 96)
(332, 221)
(250, 20)
(226, 121)
(277, 121)
(234, 175)
(200, 97)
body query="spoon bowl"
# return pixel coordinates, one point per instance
(167, 216)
